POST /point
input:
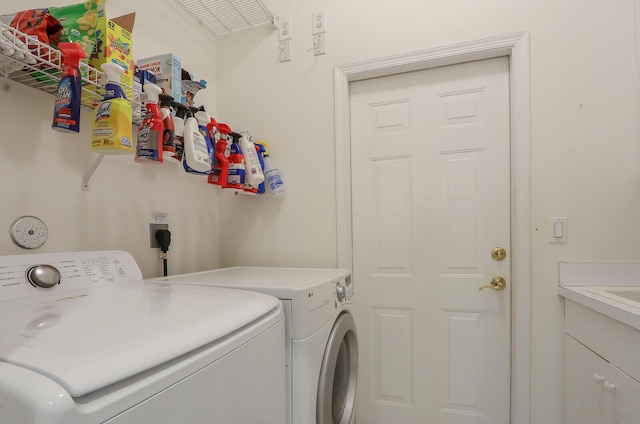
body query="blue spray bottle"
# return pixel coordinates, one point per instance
(66, 113)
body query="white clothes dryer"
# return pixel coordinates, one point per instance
(83, 339)
(322, 347)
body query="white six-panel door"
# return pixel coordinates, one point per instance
(430, 200)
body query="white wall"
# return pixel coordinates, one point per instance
(42, 170)
(584, 134)
(584, 143)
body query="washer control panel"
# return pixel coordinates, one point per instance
(344, 289)
(33, 275)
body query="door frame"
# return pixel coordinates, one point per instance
(516, 47)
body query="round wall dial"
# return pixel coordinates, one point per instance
(29, 232)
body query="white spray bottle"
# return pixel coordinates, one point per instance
(273, 177)
(253, 174)
(196, 153)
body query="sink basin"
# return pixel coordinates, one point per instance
(627, 295)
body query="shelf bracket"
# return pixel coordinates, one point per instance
(89, 174)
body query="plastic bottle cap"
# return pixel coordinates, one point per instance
(165, 100)
(112, 71)
(203, 117)
(71, 53)
(224, 128)
(181, 110)
(153, 92)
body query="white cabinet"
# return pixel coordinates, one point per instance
(597, 388)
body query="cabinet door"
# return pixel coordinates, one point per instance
(625, 398)
(584, 398)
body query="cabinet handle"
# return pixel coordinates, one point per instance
(609, 387)
(598, 378)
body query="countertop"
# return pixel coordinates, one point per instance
(585, 282)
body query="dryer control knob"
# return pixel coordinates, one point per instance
(45, 276)
(341, 291)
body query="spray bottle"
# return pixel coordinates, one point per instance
(112, 131)
(272, 175)
(220, 169)
(66, 113)
(235, 176)
(196, 154)
(260, 150)
(150, 132)
(253, 175)
(168, 135)
(204, 119)
(178, 123)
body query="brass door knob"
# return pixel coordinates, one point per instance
(498, 254)
(498, 283)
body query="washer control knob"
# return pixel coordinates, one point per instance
(341, 291)
(45, 276)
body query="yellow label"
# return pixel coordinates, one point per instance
(112, 131)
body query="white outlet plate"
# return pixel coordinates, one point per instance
(285, 51)
(284, 29)
(318, 44)
(319, 23)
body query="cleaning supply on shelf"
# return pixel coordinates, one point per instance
(168, 135)
(260, 150)
(214, 135)
(272, 176)
(220, 168)
(112, 132)
(149, 148)
(204, 119)
(253, 170)
(66, 112)
(178, 123)
(196, 154)
(235, 176)
(140, 78)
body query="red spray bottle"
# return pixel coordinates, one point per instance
(66, 114)
(235, 176)
(220, 169)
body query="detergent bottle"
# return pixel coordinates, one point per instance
(150, 133)
(253, 171)
(112, 131)
(220, 169)
(196, 154)
(204, 120)
(178, 123)
(66, 113)
(235, 176)
(168, 135)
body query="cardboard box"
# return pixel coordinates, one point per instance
(168, 71)
(114, 44)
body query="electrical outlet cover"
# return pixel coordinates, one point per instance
(153, 243)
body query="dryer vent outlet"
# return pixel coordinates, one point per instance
(153, 243)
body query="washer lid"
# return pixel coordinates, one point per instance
(279, 282)
(87, 340)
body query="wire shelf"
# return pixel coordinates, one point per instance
(28, 61)
(25, 59)
(223, 16)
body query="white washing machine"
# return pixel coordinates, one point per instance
(83, 339)
(322, 347)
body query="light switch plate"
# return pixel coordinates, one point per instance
(558, 229)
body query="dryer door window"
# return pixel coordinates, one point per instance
(338, 376)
